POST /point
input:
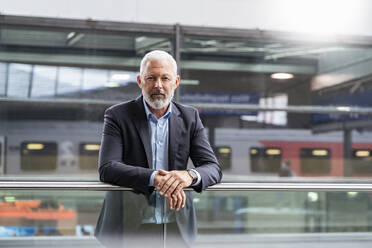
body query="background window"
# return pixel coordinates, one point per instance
(315, 160)
(223, 154)
(88, 156)
(38, 156)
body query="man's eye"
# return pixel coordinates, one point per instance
(150, 78)
(165, 79)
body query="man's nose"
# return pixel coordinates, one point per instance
(158, 83)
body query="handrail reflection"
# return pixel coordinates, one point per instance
(250, 186)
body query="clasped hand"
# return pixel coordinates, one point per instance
(170, 184)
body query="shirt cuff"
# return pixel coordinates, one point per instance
(199, 178)
(151, 183)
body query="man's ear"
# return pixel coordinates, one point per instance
(178, 79)
(139, 82)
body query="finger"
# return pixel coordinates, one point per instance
(166, 185)
(163, 172)
(172, 187)
(179, 188)
(170, 202)
(183, 198)
(175, 200)
(179, 201)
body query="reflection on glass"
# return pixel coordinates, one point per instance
(44, 81)
(3, 78)
(19, 80)
(94, 79)
(48, 213)
(50, 81)
(69, 80)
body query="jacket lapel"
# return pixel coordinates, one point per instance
(141, 123)
(175, 129)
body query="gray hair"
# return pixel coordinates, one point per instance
(158, 55)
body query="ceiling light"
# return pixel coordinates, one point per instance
(70, 35)
(281, 75)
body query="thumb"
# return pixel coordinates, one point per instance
(162, 172)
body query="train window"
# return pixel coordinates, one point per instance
(38, 156)
(362, 159)
(88, 156)
(265, 159)
(223, 154)
(315, 161)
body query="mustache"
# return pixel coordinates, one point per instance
(157, 92)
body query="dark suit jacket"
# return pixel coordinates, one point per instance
(125, 159)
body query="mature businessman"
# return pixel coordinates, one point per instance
(146, 144)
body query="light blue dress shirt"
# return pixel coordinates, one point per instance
(158, 211)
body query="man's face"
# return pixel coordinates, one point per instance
(158, 83)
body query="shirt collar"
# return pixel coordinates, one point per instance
(151, 115)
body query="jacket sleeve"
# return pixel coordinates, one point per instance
(203, 157)
(112, 169)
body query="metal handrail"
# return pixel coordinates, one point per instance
(208, 106)
(251, 186)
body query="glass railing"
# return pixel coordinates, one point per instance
(285, 213)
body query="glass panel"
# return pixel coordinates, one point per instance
(288, 219)
(94, 79)
(44, 81)
(69, 81)
(99, 219)
(214, 218)
(19, 80)
(49, 216)
(3, 78)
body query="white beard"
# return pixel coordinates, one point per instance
(158, 103)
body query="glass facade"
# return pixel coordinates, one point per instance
(269, 91)
(276, 106)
